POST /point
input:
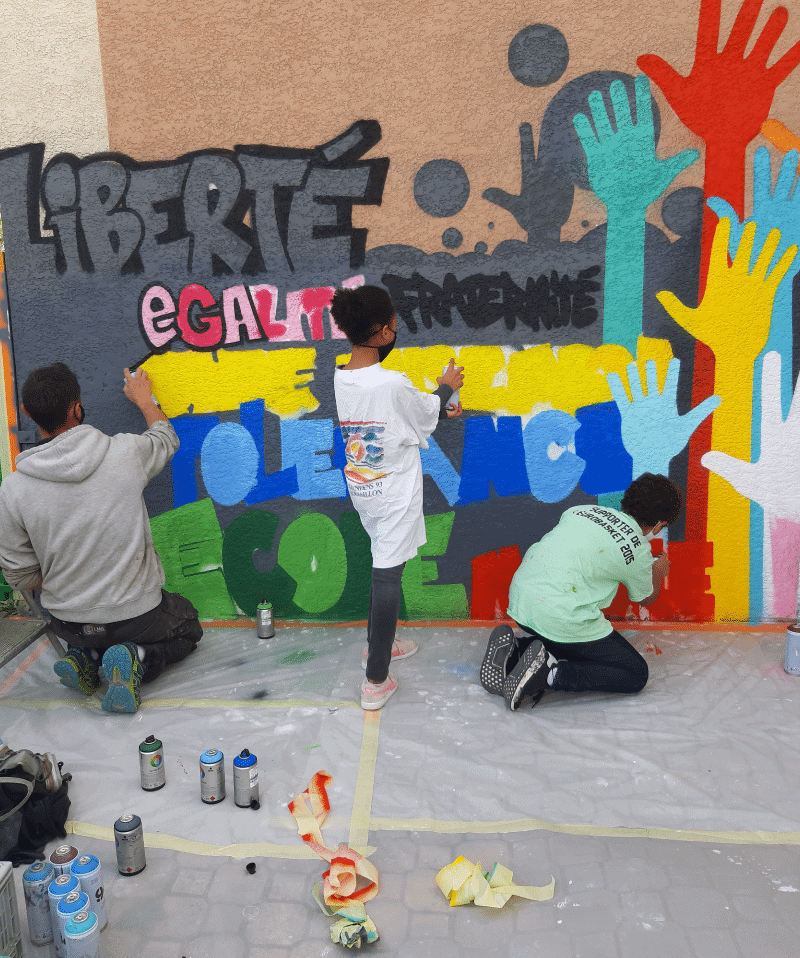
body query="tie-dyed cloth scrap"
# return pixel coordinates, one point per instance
(463, 883)
(340, 894)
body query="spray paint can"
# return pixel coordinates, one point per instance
(129, 839)
(35, 883)
(245, 779)
(151, 764)
(76, 901)
(791, 662)
(82, 933)
(90, 875)
(59, 888)
(62, 858)
(265, 628)
(212, 776)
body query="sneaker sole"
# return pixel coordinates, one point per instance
(118, 669)
(491, 674)
(395, 658)
(533, 660)
(70, 677)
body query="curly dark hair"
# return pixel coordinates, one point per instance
(361, 312)
(47, 394)
(651, 499)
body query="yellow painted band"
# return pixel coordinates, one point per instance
(600, 831)
(365, 783)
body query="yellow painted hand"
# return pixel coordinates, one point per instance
(734, 315)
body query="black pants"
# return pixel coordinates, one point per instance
(167, 633)
(610, 664)
(384, 611)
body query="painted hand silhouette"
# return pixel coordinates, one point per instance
(545, 197)
(727, 96)
(736, 298)
(623, 168)
(652, 430)
(772, 480)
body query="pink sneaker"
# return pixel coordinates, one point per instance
(376, 696)
(401, 649)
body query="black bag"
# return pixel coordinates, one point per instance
(33, 804)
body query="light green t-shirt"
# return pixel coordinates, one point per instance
(573, 572)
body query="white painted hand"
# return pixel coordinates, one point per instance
(771, 481)
(652, 430)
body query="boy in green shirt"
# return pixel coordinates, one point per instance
(559, 591)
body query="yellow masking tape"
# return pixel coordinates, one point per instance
(362, 798)
(600, 831)
(207, 384)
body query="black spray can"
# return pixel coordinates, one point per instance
(129, 839)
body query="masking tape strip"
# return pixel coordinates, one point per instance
(177, 844)
(600, 831)
(94, 703)
(365, 782)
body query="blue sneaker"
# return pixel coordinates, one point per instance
(124, 672)
(78, 671)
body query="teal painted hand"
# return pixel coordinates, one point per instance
(623, 168)
(652, 430)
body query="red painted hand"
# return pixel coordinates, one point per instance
(727, 96)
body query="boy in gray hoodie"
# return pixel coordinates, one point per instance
(73, 522)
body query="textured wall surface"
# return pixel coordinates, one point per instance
(545, 199)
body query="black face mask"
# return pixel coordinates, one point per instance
(82, 415)
(383, 351)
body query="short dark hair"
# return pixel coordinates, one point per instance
(47, 394)
(361, 312)
(651, 499)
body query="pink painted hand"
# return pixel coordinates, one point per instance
(771, 481)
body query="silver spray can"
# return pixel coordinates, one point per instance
(60, 887)
(35, 883)
(245, 780)
(82, 933)
(62, 858)
(265, 627)
(212, 776)
(70, 905)
(129, 839)
(791, 662)
(89, 873)
(151, 764)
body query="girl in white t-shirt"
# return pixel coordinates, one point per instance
(384, 421)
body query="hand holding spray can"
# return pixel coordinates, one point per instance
(245, 780)
(265, 627)
(151, 764)
(212, 776)
(455, 399)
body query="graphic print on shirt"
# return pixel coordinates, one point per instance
(616, 528)
(363, 446)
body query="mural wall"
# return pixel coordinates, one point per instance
(630, 309)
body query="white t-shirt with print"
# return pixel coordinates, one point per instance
(385, 420)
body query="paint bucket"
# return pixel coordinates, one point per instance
(791, 662)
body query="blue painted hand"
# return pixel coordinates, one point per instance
(652, 430)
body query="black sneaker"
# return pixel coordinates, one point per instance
(529, 675)
(502, 654)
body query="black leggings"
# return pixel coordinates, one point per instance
(610, 664)
(384, 611)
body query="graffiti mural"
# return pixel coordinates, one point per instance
(588, 361)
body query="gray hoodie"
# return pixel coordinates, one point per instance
(73, 514)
